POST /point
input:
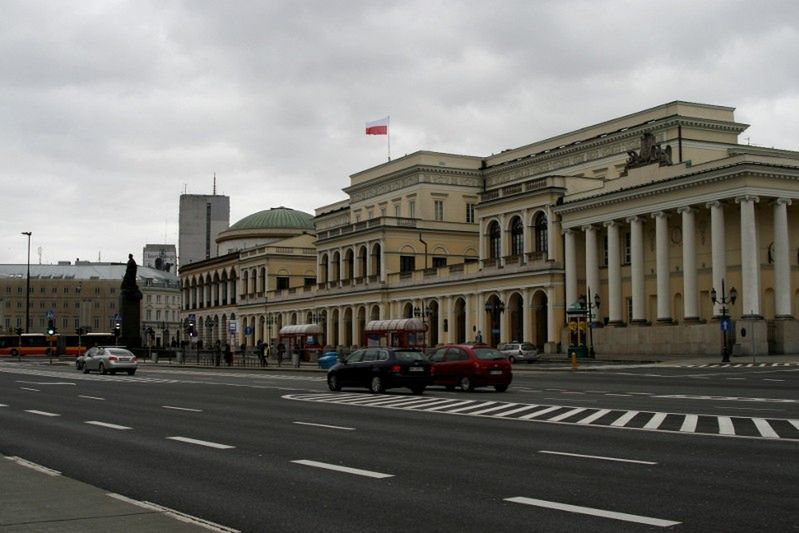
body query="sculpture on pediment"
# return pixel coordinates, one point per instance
(651, 152)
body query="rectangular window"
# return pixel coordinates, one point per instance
(282, 283)
(66, 290)
(439, 209)
(439, 262)
(407, 263)
(158, 314)
(370, 215)
(397, 210)
(149, 314)
(96, 323)
(97, 290)
(470, 213)
(411, 209)
(309, 282)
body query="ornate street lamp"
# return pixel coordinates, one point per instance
(722, 301)
(589, 304)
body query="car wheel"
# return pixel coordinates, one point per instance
(418, 390)
(332, 383)
(102, 369)
(85, 369)
(511, 359)
(466, 384)
(376, 385)
(501, 388)
(131, 372)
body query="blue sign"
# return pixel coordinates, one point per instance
(725, 324)
(50, 314)
(248, 331)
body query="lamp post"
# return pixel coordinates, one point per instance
(424, 313)
(588, 304)
(495, 307)
(28, 285)
(722, 301)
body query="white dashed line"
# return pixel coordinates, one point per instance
(91, 397)
(324, 426)
(28, 388)
(105, 424)
(618, 459)
(345, 469)
(182, 408)
(594, 512)
(41, 413)
(202, 443)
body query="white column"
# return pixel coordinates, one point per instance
(318, 269)
(528, 235)
(554, 245)
(527, 327)
(470, 318)
(552, 324)
(483, 242)
(718, 249)
(503, 319)
(570, 258)
(750, 261)
(503, 240)
(591, 261)
(329, 334)
(443, 303)
(690, 292)
(662, 265)
(637, 268)
(382, 261)
(356, 265)
(782, 267)
(614, 273)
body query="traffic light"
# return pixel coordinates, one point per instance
(18, 331)
(51, 327)
(117, 327)
(192, 332)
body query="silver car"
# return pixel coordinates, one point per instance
(519, 351)
(109, 359)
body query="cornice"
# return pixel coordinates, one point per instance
(411, 176)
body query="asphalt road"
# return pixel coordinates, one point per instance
(689, 449)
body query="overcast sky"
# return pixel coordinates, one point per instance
(109, 110)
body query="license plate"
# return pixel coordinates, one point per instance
(495, 372)
(416, 369)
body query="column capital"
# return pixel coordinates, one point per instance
(783, 201)
(659, 214)
(686, 209)
(611, 223)
(588, 227)
(567, 231)
(747, 198)
(715, 203)
(634, 218)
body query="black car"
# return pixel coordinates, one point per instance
(381, 368)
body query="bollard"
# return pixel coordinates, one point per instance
(574, 360)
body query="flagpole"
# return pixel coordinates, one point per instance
(388, 137)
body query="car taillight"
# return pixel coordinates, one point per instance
(133, 359)
(395, 369)
(113, 358)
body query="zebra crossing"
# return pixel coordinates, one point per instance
(699, 424)
(733, 365)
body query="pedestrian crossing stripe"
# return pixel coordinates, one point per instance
(733, 365)
(680, 423)
(87, 377)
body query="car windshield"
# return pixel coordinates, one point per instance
(409, 356)
(488, 354)
(117, 351)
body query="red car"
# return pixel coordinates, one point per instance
(469, 366)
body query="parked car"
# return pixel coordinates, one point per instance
(519, 351)
(381, 368)
(328, 360)
(109, 359)
(469, 366)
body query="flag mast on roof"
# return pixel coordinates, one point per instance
(380, 127)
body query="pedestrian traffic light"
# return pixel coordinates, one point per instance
(117, 327)
(51, 327)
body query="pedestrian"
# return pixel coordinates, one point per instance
(243, 354)
(267, 353)
(228, 355)
(479, 338)
(218, 352)
(281, 349)
(259, 350)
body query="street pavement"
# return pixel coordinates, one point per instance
(35, 498)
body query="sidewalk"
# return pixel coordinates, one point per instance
(33, 498)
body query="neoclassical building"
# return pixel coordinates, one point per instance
(652, 212)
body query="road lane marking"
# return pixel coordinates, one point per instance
(618, 459)
(324, 426)
(33, 466)
(461, 409)
(3, 405)
(794, 423)
(623, 419)
(655, 421)
(202, 443)
(177, 515)
(768, 379)
(726, 398)
(105, 424)
(495, 408)
(725, 425)
(567, 414)
(539, 412)
(28, 388)
(91, 397)
(345, 469)
(689, 424)
(658, 522)
(182, 408)
(517, 410)
(47, 382)
(455, 402)
(765, 428)
(616, 394)
(596, 416)
(41, 413)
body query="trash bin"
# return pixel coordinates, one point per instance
(179, 356)
(295, 359)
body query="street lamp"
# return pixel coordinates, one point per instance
(722, 301)
(494, 306)
(588, 305)
(28, 284)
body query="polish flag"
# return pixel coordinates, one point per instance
(377, 127)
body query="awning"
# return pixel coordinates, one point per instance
(396, 324)
(301, 329)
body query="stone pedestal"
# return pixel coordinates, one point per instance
(130, 309)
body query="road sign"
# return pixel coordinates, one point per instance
(50, 314)
(117, 317)
(232, 326)
(725, 324)
(248, 331)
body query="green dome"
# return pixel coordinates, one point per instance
(275, 218)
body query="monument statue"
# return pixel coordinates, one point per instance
(130, 307)
(651, 152)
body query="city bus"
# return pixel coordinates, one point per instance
(75, 345)
(25, 344)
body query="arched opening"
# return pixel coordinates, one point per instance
(347, 340)
(323, 273)
(494, 309)
(494, 241)
(515, 316)
(407, 310)
(541, 234)
(334, 317)
(459, 327)
(539, 316)
(349, 264)
(335, 275)
(360, 325)
(516, 237)
(374, 313)
(363, 257)
(433, 323)
(376, 263)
